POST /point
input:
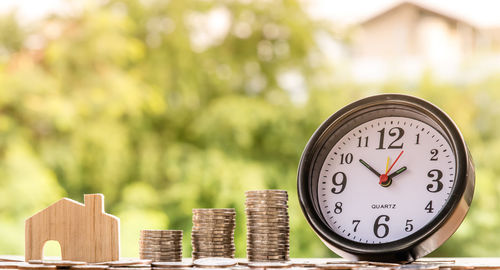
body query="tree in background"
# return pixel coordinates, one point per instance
(169, 106)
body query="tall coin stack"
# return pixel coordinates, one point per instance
(213, 232)
(161, 245)
(267, 225)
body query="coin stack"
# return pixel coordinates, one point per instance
(213, 232)
(161, 245)
(267, 225)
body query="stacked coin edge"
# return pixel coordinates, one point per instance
(268, 227)
(212, 234)
(161, 245)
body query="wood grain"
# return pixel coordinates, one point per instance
(84, 231)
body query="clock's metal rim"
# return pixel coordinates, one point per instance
(441, 228)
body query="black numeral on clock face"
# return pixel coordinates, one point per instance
(338, 208)
(339, 180)
(396, 132)
(434, 153)
(429, 207)
(356, 223)
(346, 158)
(363, 141)
(437, 175)
(381, 229)
(409, 226)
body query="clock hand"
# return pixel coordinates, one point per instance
(396, 173)
(384, 178)
(369, 167)
(387, 164)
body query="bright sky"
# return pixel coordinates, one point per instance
(30, 9)
(480, 12)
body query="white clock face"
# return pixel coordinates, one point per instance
(369, 195)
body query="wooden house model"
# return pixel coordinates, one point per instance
(84, 231)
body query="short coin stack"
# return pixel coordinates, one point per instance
(161, 245)
(267, 225)
(213, 232)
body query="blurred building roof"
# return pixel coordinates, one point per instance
(409, 38)
(430, 10)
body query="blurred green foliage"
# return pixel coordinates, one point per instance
(138, 100)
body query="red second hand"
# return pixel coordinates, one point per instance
(383, 177)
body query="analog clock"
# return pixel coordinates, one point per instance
(386, 178)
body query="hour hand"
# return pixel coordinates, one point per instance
(396, 173)
(369, 167)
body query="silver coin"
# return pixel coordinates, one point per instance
(127, 262)
(148, 249)
(163, 254)
(271, 236)
(269, 265)
(160, 247)
(167, 236)
(266, 218)
(213, 221)
(268, 225)
(170, 259)
(266, 215)
(263, 231)
(268, 259)
(265, 191)
(161, 238)
(213, 250)
(338, 266)
(214, 262)
(205, 239)
(212, 211)
(150, 245)
(278, 198)
(267, 202)
(250, 212)
(213, 229)
(215, 245)
(151, 234)
(62, 263)
(154, 251)
(199, 217)
(267, 251)
(160, 242)
(211, 236)
(268, 244)
(90, 267)
(172, 264)
(160, 256)
(214, 253)
(163, 258)
(266, 229)
(271, 206)
(161, 231)
(210, 240)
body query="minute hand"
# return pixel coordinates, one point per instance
(396, 173)
(369, 167)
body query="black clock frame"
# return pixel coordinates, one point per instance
(423, 241)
